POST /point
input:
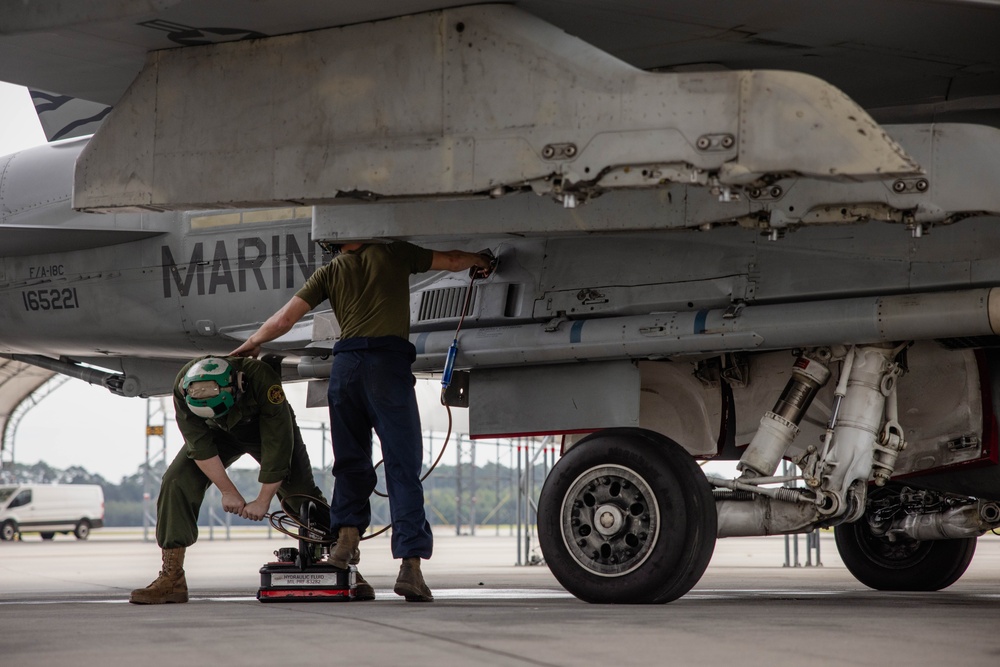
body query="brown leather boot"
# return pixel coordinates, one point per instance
(410, 582)
(362, 589)
(170, 586)
(347, 541)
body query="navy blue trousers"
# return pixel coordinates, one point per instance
(371, 386)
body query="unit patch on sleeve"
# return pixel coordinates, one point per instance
(275, 394)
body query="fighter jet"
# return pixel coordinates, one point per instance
(725, 231)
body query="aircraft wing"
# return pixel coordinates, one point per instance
(745, 119)
(902, 60)
(20, 240)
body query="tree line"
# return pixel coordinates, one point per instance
(453, 495)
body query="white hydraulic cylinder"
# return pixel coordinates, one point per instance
(779, 427)
(860, 421)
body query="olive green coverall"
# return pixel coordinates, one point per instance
(260, 424)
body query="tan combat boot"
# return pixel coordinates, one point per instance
(410, 582)
(362, 589)
(170, 586)
(343, 551)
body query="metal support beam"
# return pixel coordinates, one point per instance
(156, 453)
(9, 440)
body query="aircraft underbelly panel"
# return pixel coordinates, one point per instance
(563, 398)
(614, 275)
(333, 113)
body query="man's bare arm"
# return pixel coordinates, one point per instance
(257, 508)
(277, 325)
(458, 260)
(232, 499)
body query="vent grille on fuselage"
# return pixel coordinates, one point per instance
(445, 303)
(970, 342)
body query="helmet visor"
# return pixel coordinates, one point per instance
(207, 400)
(203, 389)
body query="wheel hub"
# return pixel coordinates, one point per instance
(610, 520)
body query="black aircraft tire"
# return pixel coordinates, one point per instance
(928, 565)
(627, 516)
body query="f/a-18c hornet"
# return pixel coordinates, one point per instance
(754, 232)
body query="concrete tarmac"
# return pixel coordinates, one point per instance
(64, 602)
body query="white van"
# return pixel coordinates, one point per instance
(48, 509)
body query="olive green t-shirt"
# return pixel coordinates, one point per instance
(369, 288)
(261, 415)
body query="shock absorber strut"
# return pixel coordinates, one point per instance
(778, 427)
(849, 461)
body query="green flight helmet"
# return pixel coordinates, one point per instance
(209, 388)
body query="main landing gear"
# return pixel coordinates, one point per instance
(885, 561)
(627, 517)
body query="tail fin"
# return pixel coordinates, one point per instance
(63, 117)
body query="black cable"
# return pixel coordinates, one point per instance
(285, 521)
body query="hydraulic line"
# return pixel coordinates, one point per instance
(838, 398)
(449, 364)
(287, 522)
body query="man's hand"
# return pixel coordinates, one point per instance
(486, 264)
(233, 502)
(247, 349)
(276, 326)
(255, 510)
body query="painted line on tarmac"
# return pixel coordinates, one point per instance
(506, 594)
(498, 593)
(383, 594)
(731, 593)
